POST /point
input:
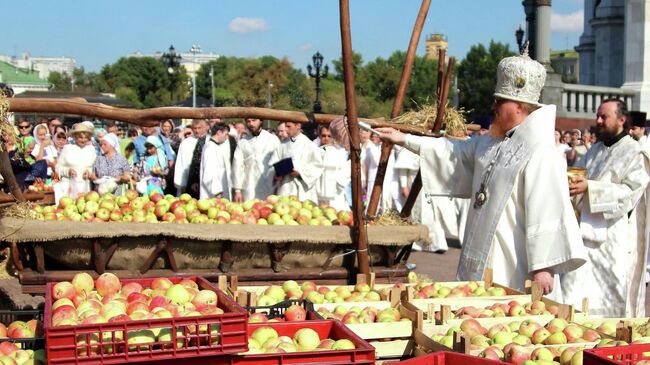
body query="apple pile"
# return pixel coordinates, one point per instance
(10, 354)
(511, 342)
(609, 327)
(294, 313)
(511, 309)
(21, 329)
(106, 300)
(40, 186)
(290, 289)
(520, 355)
(356, 315)
(275, 210)
(266, 340)
(425, 290)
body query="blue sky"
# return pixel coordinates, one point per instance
(99, 32)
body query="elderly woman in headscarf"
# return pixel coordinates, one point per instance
(110, 166)
(155, 165)
(76, 163)
(44, 148)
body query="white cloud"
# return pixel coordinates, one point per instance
(572, 22)
(305, 47)
(248, 25)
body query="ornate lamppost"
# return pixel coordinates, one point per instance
(519, 35)
(172, 60)
(315, 72)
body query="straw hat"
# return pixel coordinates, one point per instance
(520, 78)
(81, 128)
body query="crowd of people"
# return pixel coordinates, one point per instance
(504, 192)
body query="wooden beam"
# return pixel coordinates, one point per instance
(358, 231)
(152, 116)
(387, 147)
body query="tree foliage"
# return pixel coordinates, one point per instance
(147, 82)
(477, 77)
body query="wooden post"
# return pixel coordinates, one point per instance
(442, 103)
(358, 231)
(8, 174)
(387, 147)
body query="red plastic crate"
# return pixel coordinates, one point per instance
(362, 355)
(627, 355)
(447, 358)
(191, 336)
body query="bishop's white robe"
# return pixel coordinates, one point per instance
(527, 222)
(252, 173)
(616, 200)
(215, 170)
(389, 191)
(333, 184)
(184, 160)
(307, 160)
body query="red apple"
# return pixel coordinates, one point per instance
(63, 289)
(108, 284)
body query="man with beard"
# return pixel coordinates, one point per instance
(252, 174)
(187, 170)
(521, 224)
(613, 219)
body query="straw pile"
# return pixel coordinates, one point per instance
(391, 218)
(453, 123)
(7, 131)
(19, 210)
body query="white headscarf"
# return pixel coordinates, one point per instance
(112, 140)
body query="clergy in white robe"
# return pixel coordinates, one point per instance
(216, 164)
(639, 123)
(307, 165)
(521, 224)
(252, 175)
(185, 154)
(333, 183)
(614, 220)
(389, 191)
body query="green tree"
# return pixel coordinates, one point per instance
(147, 77)
(357, 64)
(477, 77)
(60, 81)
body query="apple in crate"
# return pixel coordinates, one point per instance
(295, 313)
(306, 339)
(107, 284)
(343, 344)
(263, 334)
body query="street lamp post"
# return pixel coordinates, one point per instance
(172, 60)
(194, 50)
(519, 35)
(315, 72)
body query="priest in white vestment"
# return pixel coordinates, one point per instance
(333, 184)
(613, 219)
(307, 162)
(521, 223)
(370, 164)
(185, 180)
(639, 123)
(252, 174)
(216, 164)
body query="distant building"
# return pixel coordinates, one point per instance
(43, 65)
(22, 80)
(434, 43)
(567, 64)
(189, 61)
